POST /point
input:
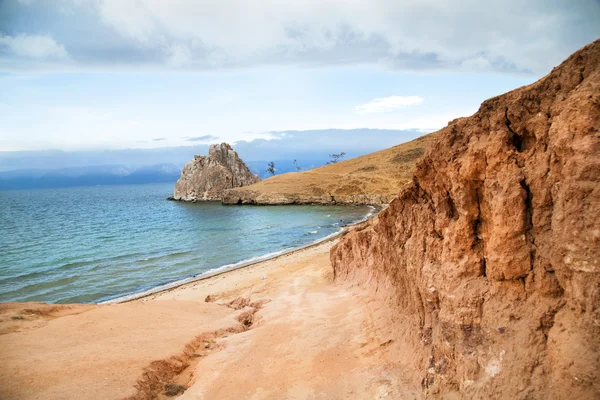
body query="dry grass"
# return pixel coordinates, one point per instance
(383, 172)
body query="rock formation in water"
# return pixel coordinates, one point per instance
(207, 177)
(490, 259)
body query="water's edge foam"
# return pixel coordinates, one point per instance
(240, 264)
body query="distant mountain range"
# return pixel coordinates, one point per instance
(122, 174)
(56, 168)
(88, 176)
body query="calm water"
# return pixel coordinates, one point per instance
(91, 244)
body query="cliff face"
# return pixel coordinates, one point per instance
(491, 257)
(207, 177)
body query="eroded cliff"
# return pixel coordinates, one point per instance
(208, 177)
(490, 258)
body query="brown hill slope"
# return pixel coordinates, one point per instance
(491, 256)
(374, 178)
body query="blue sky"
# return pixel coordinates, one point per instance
(91, 74)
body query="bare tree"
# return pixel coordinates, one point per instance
(335, 157)
(271, 168)
(297, 166)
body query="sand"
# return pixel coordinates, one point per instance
(295, 334)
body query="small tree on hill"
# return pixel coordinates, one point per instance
(271, 168)
(336, 157)
(297, 166)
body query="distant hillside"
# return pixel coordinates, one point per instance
(370, 179)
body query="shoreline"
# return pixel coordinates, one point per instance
(190, 336)
(240, 264)
(221, 270)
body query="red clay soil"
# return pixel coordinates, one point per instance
(491, 257)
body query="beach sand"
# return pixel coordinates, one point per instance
(294, 334)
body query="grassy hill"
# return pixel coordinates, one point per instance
(370, 179)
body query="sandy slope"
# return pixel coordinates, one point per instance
(100, 353)
(292, 335)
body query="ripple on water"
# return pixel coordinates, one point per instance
(97, 243)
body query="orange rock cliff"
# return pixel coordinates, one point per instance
(490, 258)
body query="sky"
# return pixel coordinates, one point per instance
(89, 75)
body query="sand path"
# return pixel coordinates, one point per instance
(293, 335)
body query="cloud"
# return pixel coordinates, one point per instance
(33, 47)
(205, 138)
(506, 36)
(179, 55)
(159, 139)
(387, 104)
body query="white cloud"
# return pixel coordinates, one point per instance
(387, 104)
(509, 35)
(131, 18)
(33, 47)
(408, 34)
(179, 55)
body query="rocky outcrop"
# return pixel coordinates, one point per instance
(248, 196)
(207, 177)
(490, 258)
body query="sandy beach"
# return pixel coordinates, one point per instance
(277, 329)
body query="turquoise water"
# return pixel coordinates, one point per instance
(91, 244)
